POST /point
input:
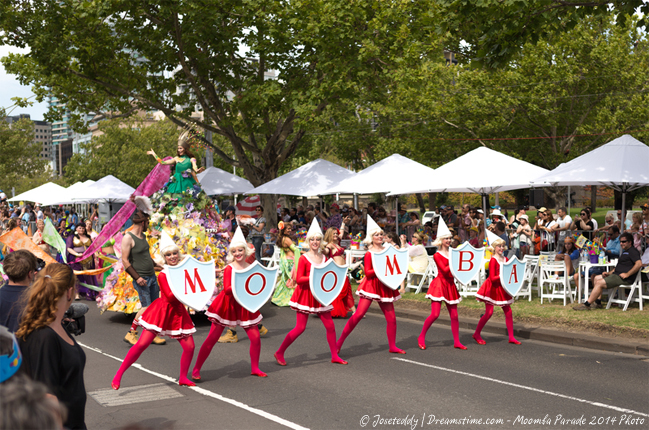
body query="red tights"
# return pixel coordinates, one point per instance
(300, 326)
(187, 343)
(213, 337)
(435, 308)
(390, 318)
(489, 311)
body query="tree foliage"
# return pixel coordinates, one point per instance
(20, 164)
(121, 151)
(122, 56)
(492, 32)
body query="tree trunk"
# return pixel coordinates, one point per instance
(420, 202)
(593, 198)
(269, 203)
(431, 201)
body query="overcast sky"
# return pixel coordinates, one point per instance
(10, 87)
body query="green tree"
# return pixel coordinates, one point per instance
(492, 32)
(20, 164)
(121, 151)
(123, 56)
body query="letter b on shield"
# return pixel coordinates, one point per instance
(465, 261)
(327, 281)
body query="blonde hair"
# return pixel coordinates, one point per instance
(438, 240)
(329, 234)
(50, 285)
(422, 238)
(248, 251)
(497, 242)
(368, 240)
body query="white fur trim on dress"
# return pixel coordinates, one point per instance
(493, 302)
(228, 323)
(377, 297)
(443, 299)
(308, 310)
(174, 334)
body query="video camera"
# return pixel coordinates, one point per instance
(74, 320)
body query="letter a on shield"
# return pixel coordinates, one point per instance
(511, 275)
(253, 286)
(192, 282)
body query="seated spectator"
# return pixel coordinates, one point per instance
(570, 255)
(635, 228)
(623, 274)
(608, 222)
(612, 251)
(417, 255)
(21, 268)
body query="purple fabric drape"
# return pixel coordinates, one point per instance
(152, 183)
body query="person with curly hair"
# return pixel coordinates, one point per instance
(50, 354)
(288, 252)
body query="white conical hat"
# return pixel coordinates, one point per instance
(442, 229)
(314, 230)
(491, 237)
(372, 227)
(166, 242)
(238, 240)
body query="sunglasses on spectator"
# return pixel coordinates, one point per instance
(623, 241)
(583, 214)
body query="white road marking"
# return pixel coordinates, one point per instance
(129, 395)
(511, 384)
(208, 393)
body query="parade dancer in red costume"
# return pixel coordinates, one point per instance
(442, 289)
(345, 300)
(225, 311)
(492, 292)
(166, 316)
(303, 301)
(371, 289)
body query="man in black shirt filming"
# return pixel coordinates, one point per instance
(623, 274)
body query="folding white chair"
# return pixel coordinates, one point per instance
(531, 270)
(637, 286)
(272, 261)
(553, 286)
(425, 277)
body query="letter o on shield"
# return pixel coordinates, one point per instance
(325, 277)
(263, 285)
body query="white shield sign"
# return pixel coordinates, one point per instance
(391, 266)
(511, 275)
(192, 282)
(465, 262)
(327, 281)
(253, 286)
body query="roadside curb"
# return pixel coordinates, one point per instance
(535, 332)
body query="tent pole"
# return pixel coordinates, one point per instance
(355, 201)
(396, 218)
(622, 221)
(485, 200)
(569, 200)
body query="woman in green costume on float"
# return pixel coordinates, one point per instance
(184, 176)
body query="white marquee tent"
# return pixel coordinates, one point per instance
(39, 193)
(215, 181)
(312, 179)
(108, 188)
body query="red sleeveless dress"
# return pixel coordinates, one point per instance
(302, 299)
(442, 288)
(492, 291)
(166, 316)
(373, 289)
(226, 311)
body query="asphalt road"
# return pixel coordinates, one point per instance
(498, 385)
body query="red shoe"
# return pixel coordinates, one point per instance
(398, 351)
(460, 346)
(259, 373)
(515, 342)
(479, 340)
(114, 385)
(421, 346)
(281, 362)
(187, 383)
(338, 361)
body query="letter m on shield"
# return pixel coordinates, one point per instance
(390, 267)
(193, 282)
